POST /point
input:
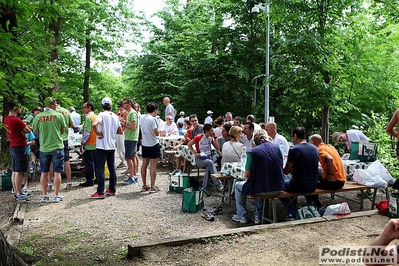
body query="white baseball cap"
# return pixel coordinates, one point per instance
(106, 100)
(182, 113)
(209, 112)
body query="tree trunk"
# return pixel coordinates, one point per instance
(86, 95)
(8, 254)
(324, 124)
(54, 27)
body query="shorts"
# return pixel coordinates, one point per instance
(153, 152)
(130, 149)
(397, 149)
(19, 159)
(66, 151)
(57, 157)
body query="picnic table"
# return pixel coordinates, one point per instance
(171, 141)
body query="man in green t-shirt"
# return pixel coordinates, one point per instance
(131, 138)
(69, 122)
(50, 125)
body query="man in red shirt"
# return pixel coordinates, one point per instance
(16, 130)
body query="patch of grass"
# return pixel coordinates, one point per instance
(73, 246)
(134, 236)
(62, 238)
(59, 256)
(86, 234)
(27, 247)
(121, 253)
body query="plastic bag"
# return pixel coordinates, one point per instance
(338, 209)
(383, 207)
(368, 178)
(306, 213)
(379, 169)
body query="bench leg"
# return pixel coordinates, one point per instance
(373, 200)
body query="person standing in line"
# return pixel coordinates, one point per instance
(150, 147)
(106, 127)
(29, 118)
(394, 132)
(136, 107)
(67, 166)
(88, 144)
(50, 125)
(76, 119)
(303, 162)
(131, 139)
(16, 130)
(169, 110)
(120, 138)
(208, 119)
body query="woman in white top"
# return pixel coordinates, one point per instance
(232, 149)
(219, 122)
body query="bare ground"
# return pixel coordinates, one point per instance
(82, 231)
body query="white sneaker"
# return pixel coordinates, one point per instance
(58, 198)
(45, 199)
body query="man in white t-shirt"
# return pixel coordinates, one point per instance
(169, 110)
(106, 126)
(271, 129)
(151, 149)
(208, 119)
(251, 118)
(349, 136)
(248, 135)
(168, 128)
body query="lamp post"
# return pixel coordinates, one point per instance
(255, 10)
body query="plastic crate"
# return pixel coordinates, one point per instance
(178, 182)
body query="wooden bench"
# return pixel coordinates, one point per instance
(225, 179)
(283, 194)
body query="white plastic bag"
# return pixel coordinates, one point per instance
(337, 209)
(379, 169)
(368, 178)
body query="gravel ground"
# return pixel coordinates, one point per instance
(82, 231)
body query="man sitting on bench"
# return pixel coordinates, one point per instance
(334, 175)
(303, 160)
(263, 172)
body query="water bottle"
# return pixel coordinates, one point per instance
(243, 155)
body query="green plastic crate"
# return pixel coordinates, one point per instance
(364, 151)
(178, 182)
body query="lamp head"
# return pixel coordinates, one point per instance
(255, 10)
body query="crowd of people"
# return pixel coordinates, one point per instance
(269, 157)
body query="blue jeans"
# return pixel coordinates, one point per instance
(210, 169)
(241, 202)
(103, 156)
(89, 158)
(289, 203)
(57, 157)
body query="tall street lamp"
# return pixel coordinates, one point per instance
(255, 10)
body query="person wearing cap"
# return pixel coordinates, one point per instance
(208, 119)
(50, 125)
(106, 127)
(181, 119)
(120, 139)
(76, 119)
(169, 110)
(16, 130)
(349, 136)
(334, 174)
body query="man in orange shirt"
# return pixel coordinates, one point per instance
(333, 176)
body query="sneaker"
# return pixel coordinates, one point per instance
(86, 184)
(155, 189)
(216, 210)
(136, 179)
(240, 219)
(220, 188)
(12, 191)
(68, 186)
(108, 192)
(21, 197)
(321, 210)
(145, 189)
(49, 187)
(45, 199)
(24, 188)
(207, 215)
(290, 217)
(97, 195)
(257, 221)
(129, 181)
(58, 198)
(121, 165)
(176, 171)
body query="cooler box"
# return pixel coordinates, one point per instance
(364, 151)
(178, 182)
(6, 183)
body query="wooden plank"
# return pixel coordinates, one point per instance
(135, 249)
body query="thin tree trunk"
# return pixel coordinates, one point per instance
(86, 95)
(324, 124)
(54, 27)
(8, 256)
